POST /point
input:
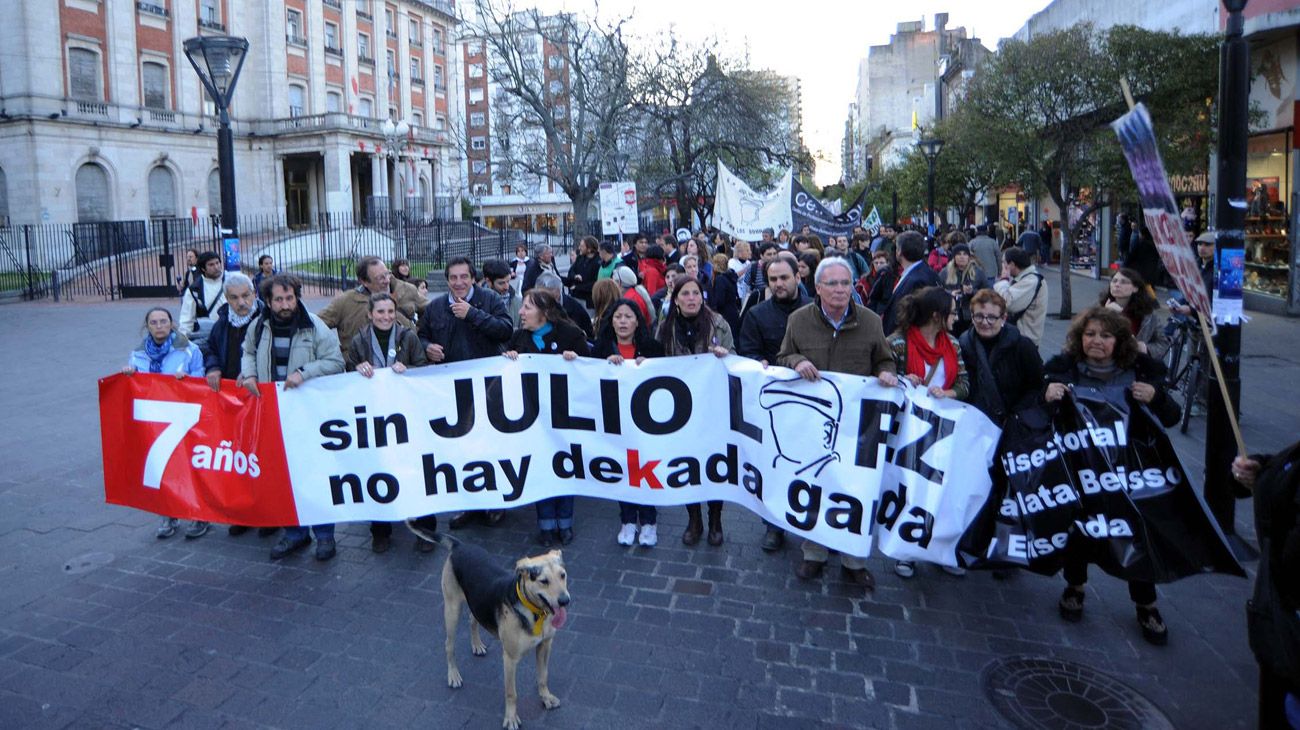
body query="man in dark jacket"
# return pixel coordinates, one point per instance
(724, 297)
(543, 262)
(1006, 371)
(761, 333)
(466, 323)
(572, 307)
(223, 351)
(915, 275)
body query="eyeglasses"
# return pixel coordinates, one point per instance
(985, 318)
(835, 282)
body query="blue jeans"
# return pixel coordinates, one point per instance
(322, 532)
(555, 513)
(631, 514)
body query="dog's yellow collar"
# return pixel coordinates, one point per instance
(539, 615)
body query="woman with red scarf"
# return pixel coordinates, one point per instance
(929, 356)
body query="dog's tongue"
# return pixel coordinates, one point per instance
(558, 619)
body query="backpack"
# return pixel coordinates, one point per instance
(1012, 318)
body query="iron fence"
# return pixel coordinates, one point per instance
(147, 258)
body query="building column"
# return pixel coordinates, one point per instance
(338, 179)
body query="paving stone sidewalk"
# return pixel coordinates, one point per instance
(102, 625)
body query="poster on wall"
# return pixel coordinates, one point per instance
(1272, 84)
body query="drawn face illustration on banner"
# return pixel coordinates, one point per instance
(781, 399)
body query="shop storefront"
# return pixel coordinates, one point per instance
(1272, 263)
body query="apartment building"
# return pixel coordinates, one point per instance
(503, 194)
(103, 118)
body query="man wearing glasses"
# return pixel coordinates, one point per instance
(837, 335)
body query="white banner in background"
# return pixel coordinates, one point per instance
(842, 460)
(740, 211)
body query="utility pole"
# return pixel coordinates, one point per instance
(1230, 221)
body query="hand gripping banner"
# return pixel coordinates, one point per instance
(1096, 477)
(843, 460)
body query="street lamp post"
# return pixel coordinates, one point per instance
(395, 135)
(1220, 446)
(930, 148)
(223, 59)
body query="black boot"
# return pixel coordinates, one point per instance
(773, 539)
(694, 525)
(715, 523)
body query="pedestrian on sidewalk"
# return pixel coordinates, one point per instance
(1101, 353)
(545, 330)
(167, 352)
(291, 345)
(386, 344)
(1025, 291)
(623, 336)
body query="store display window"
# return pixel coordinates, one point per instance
(1268, 188)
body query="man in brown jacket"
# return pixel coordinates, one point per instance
(349, 312)
(837, 335)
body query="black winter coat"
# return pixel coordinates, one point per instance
(534, 270)
(481, 334)
(645, 347)
(562, 337)
(1065, 369)
(587, 267)
(1272, 622)
(763, 328)
(725, 298)
(1014, 378)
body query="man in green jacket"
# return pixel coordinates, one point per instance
(837, 335)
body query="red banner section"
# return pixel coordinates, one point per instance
(176, 448)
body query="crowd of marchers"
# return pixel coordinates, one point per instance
(959, 315)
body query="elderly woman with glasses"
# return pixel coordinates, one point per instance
(1005, 369)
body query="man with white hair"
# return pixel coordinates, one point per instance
(224, 349)
(833, 333)
(543, 262)
(572, 307)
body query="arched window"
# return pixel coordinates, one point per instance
(214, 193)
(162, 193)
(93, 202)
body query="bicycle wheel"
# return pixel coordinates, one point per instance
(1191, 387)
(1174, 358)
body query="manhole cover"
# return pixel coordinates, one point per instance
(1043, 694)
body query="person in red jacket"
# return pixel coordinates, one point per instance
(653, 269)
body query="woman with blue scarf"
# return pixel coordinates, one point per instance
(545, 330)
(167, 352)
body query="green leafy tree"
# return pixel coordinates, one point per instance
(1040, 112)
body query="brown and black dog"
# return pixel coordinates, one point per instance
(523, 608)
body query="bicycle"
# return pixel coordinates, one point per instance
(1186, 368)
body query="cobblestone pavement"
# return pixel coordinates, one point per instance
(102, 625)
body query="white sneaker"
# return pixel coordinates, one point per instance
(905, 568)
(649, 536)
(627, 535)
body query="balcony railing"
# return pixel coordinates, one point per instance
(340, 122)
(158, 115)
(417, 81)
(336, 4)
(296, 40)
(443, 6)
(440, 87)
(92, 108)
(363, 15)
(416, 42)
(151, 8)
(367, 60)
(331, 50)
(206, 24)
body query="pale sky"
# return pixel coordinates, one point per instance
(821, 42)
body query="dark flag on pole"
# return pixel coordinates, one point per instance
(806, 210)
(1092, 471)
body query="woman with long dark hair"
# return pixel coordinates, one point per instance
(929, 357)
(1129, 295)
(545, 330)
(691, 328)
(583, 270)
(1101, 353)
(623, 336)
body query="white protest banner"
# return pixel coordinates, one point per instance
(618, 213)
(740, 211)
(843, 460)
(873, 222)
